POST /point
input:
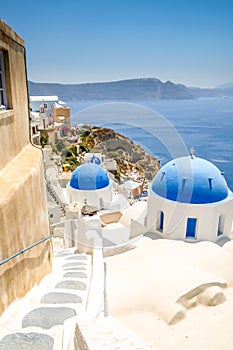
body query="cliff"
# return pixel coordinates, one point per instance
(128, 155)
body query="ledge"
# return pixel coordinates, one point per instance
(8, 31)
(6, 116)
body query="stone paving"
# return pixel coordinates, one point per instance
(39, 320)
(36, 321)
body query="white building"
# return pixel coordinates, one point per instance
(96, 158)
(91, 185)
(43, 121)
(190, 200)
(43, 101)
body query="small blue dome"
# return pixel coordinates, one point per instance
(95, 160)
(89, 176)
(190, 180)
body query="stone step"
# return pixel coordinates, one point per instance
(47, 317)
(27, 341)
(38, 318)
(60, 298)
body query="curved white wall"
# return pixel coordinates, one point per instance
(176, 215)
(96, 198)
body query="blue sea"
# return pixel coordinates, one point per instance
(168, 128)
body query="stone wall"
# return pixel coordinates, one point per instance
(23, 208)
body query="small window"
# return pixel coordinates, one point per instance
(161, 221)
(45, 106)
(3, 96)
(220, 225)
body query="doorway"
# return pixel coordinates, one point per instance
(191, 228)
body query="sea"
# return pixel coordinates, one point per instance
(168, 128)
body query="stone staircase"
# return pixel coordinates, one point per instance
(36, 321)
(52, 316)
(55, 198)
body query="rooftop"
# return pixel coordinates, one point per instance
(44, 98)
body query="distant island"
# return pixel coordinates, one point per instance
(132, 89)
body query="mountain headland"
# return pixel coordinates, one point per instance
(131, 89)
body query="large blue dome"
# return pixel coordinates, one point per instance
(89, 176)
(190, 180)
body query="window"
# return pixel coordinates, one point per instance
(220, 225)
(45, 106)
(191, 228)
(161, 221)
(3, 99)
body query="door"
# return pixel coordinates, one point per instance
(191, 228)
(161, 221)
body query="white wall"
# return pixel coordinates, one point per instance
(92, 197)
(176, 215)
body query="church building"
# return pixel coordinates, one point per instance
(190, 201)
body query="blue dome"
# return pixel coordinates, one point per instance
(95, 160)
(190, 180)
(89, 176)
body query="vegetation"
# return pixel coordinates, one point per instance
(96, 140)
(44, 138)
(60, 145)
(118, 176)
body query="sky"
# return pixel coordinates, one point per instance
(78, 41)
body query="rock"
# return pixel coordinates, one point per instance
(127, 154)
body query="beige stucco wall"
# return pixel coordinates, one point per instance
(14, 125)
(61, 112)
(23, 209)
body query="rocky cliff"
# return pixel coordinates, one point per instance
(128, 155)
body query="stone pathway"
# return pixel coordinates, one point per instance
(36, 321)
(40, 320)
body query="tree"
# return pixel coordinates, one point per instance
(60, 145)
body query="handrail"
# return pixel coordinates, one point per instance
(24, 250)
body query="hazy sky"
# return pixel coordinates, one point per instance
(74, 41)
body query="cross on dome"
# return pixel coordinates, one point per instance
(192, 150)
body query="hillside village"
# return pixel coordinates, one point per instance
(50, 126)
(98, 240)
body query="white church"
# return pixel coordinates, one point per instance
(189, 200)
(91, 184)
